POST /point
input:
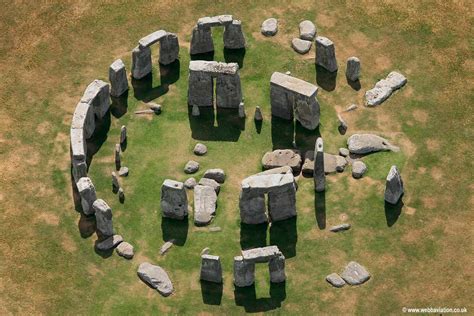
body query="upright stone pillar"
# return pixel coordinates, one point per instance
(211, 269)
(326, 53)
(307, 111)
(353, 68)
(174, 202)
(118, 78)
(88, 195)
(103, 216)
(393, 186)
(118, 161)
(276, 266)
(244, 272)
(281, 105)
(233, 35)
(200, 89)
(201, 40)
(282, 202)
(319, 176)
(228, 91)
(252, 207)
(169, 49)
(141, 62)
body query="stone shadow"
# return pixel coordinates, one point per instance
(284, 235)
(258, 126)
(247, 297)
(175, 230)
(86, 225)
(119, 105)
(282, 133)
(203, 56)
(392, 212)
(229, 124)
(354, 84)
(325, 79)
(211, 292)
(320, 209)
(305, 139)
(253, 236)
(235, 56)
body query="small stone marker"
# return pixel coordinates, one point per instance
(205, 251)
(307, 30)
(340, 227)
(155, 277)
(200, 149)
(215, 229)
(123, 135)
(125, 250)
(211, 269)
(269, 27)
(109, 243)
(191, 167)
(344, 152)
(166, 246)
(335, 280)
(258, 114)
(117, 157)
(393, 186)
(355, 274)
(353, 69)
(358, 169)
(121, 195)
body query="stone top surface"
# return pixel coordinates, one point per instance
(214, 67)
(173, 184)
(294, 84)
(92, 90)
(117, 65)
(210, 257)
(152, 38)
(324, 41)
(267, 181)
(261, 254)
(210, 21)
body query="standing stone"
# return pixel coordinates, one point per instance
(123, 135)
(155, 277)
(117, 157)
(326, 54)
(228, 90)
(233, 35)
(258, 114)
(342, 128)
(319, 175)
(141, 62)
(121, 195)
(301, 46)
(115, 183)
(195, 111)
(169, 49)
(103, 216)
(211, 269)
(358, 169)
(97, 94)
(174, 202)
(200, 149)
(307, 30)
(201, 40)
(200, 87)
(118, 78)
(88, 195)
(215, 174)
(244, 272)
(205, 201)
(252, 207)
(335, 280)
(355, 274)
(393, 186)
(282, 202)
(84, 119)
(269, 27)
(124, 249)
(276, 265)
(353, 68)
(241, 110)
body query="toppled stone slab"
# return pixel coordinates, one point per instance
(384, 88)
(282, 157)
(191, 167)
(340, 227)
(211, 183)
(211, 269)
(155, 277)
(200, 149)
(218, 20)
(393, 186)
(103, 216)
(109, 243)
(215, 229)
(190, 183)
(307, 30)
(125, 250)
(326, 54)
(118, 78)
(332, 163)
(368, 143)
(244, 272)
(262, 254)
(166, 246)
(355, 274)
(301, 46)
(358, 169)
(269, 27)
(216, 174)
(174, 202)
(205, 201)
(335, 280)
(353, 68)
(152, 38)
(88, 194)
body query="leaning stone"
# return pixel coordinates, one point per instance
(340, 227)
(103, 216)
(282, 157)
(269, 27)
(155, 277)
(109, 243)
(166, 246)
(344, 152)
(353, 68)
(393, 186)
(244, 272)
(276, 266)
(121, 195)
(301, 46)
(335, 280)
(123, 172)
(117, 157)
(342, 128)
(190, 183)
(358, 169)
(200, 149)
(88, 194)
(174, 202)
(215, 174)
(355, 274)
(211, 269)
(195, 111)
(125, 250)
(326, 54)
(210, 183)
(191, 167)
(241, 110)
(205, 200)
(368, 143)
(123, 135)
(319, 176)
(115, 183)
(118, 78)
(258, 114)
(307, 30)
(262, 254)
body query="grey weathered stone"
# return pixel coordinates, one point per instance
(200, 149)
(88, 195)
(115, 183)
(367, 143)
(307, 30)
(288, 93)
(124, 249)
(252, 207)
(216, 174)
(353, 68)
(342, 128)
(358, 169)
(301, 46)
(123, 135)
(123, 172)
(340, 227)
(117, 158)
(233, 35)
(205, 200)
(79, 169)
(332, 163)
(109, 243)
(355, 274)
(195, 111)
(335, 280)
(276, 266)
(190, 183)
(174, 202)
(319, 175)
(156, 108)
(261, 254)
(121, 195)
(384, 88)
(282, 202)
(242, 110)
(210, 183)
(205, 251)
(152, 38)
(78, 145)
(344, 152)
(244, 272)
(191, 167)
(393, 186)
(169, 49)
(326, 54)
(118, 78)
(211, 269)
(200, 88)
(166, 246)
(258, 114)
(97, 94)
(282, 157)
(269, 27)
(141, 62)
(155, 277)
(103, 217)
(83, 119)
(228, 91)
(201, 40)
(218, 20)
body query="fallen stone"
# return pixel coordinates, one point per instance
(262, 254)
(282, 157)
(109, 243)
(301, 46)
(393, 186)
(210, 183)
(191, 167)
(205, 201)
(103, 216)
(358, 169)
(205, 251)
(141, 62)
(368, 143)
(332, 163)
(351, 107)
(174, 202)
(342, 128)
(215, 229)
(211, 269)
(307, 30)
(166, 246)
(244, 272)
(155, 277)
(195, 111)
(384, 88)
(353, 69)
(190, 183)
(344, 152)
(123, 172)
(340, 227)
(258, 114)
(215, 174)
(200, 149)
(269, 27)
(326, 54)
(335, 280)
(355, 274)
(125, 250)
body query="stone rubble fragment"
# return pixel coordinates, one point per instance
(384, 88)
(211, 183)
(88, 194)
(124, 249)
(393, 186)
(307, 30)
(166, 246)
(301, 46)
(123, 172)
(205, 251)
(355, 274)
(339, 228)
(342, 128)
(109, 243)
(205, 202)
(216, 174)
(258, 114)
(335, 280)
(269, 27)
(344, 152)
(358, 169)
(155, 277)
(200, 149)
(190, 183)
(103, 216)
(191, 167)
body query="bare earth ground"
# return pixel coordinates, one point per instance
(51, 51)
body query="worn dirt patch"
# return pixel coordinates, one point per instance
(420, 116)
(43, 128)
(48, 218)
(432, 144)
(383, 63)
(68, 244)
(325, 20)
(359, 40)
(436, 173)
(429, 202)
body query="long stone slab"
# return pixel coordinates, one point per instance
(205, 201)
(262, 254)
(267, 182)
(83, 118)
(213, 67)
(292, 84)
(218, 20)
(152, 38)
(384, 88)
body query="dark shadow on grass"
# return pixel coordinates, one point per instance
(143, 88)
(258, 126)
(326, 79)
(282, 133)
(119, 105)
(392, 212)
(229, 125)
(86, 225)
(253, 236)
(247, 297)
(211, 292)
(354, 84)
(235, 56)
(284, 235)
(175, 230)
(305, 139)
(320, 209)
(204, 56)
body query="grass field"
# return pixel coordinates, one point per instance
(51, 51)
